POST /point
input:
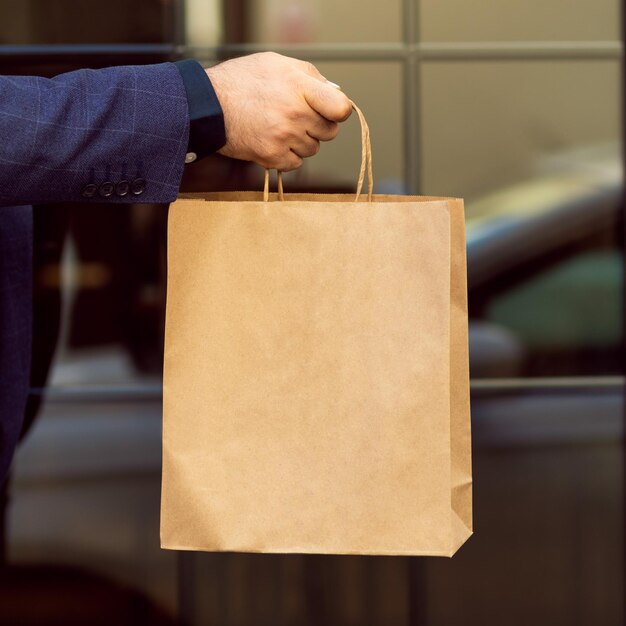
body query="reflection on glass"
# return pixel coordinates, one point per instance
(546, 272)
(487, 125)
(204, 20)
(519, 20)
(534, 149)
(323, 21)
(109, 266)
(549, 506)
(86, 21)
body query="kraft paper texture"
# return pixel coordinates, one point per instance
(316, 376)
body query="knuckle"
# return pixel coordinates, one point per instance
(282, 135)
(267, 59)
(293, 115)
(273, 153)
(333, 130)
(329, 131)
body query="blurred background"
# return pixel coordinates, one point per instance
(515, 106)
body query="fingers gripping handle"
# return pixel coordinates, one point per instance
(366, 165)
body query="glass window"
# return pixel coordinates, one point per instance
(534, 149)
(519, 20)
(557, 309)
(487, 125)
(574, 304)
(324, 21)
(549, 518)
(533, 146)
(86, 21)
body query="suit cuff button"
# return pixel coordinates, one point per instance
(138, 186)
(89, 191)
(190, 157)
(106, 189)
(122, 188)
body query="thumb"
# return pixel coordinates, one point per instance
(327, 100)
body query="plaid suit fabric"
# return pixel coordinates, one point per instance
(56, 136)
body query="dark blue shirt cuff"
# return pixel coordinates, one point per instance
(206, 118)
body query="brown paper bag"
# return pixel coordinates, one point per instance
(316, 375)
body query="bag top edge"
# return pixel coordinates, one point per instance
(257, 196)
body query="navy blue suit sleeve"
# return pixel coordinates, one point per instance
(16, 305)
(206, 118)
(112, 135)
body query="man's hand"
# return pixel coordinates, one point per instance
(276, 109)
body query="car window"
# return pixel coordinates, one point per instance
(576, 303)
(563, 319)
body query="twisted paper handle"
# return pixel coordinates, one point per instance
(366, 165)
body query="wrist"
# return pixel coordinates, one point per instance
(206, 117)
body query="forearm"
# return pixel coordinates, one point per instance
(63, 139)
